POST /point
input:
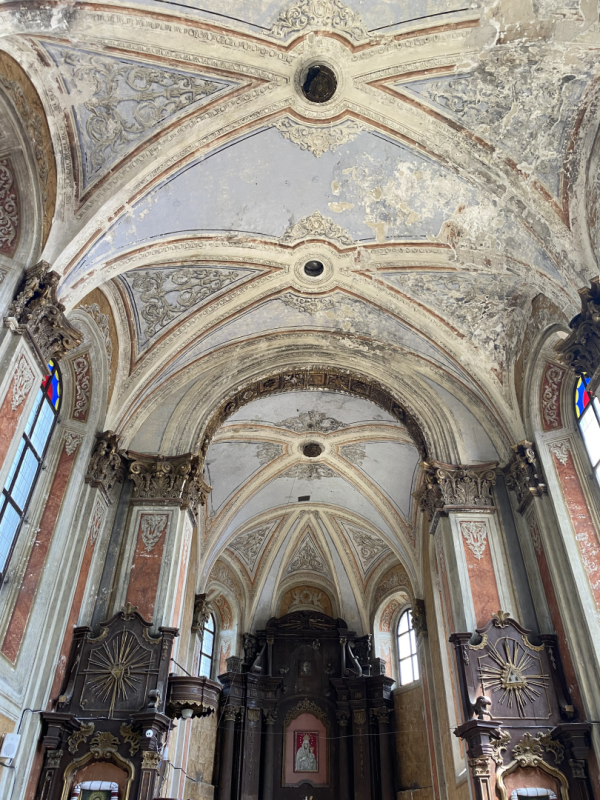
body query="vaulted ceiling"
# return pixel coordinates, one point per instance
(449, 189)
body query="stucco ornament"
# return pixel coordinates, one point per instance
(319, 140)
(354, 453)
(83, 386)
(268, 452)
(310, 472)
(153, 527)
(551, 397)
(316, 226)
(248, 545)
(524, 474)
(107, 464)
(560, 450)
(368, 546)
(101, 321)
(9, 209)
(580, 351)
(127, 100)
(463, 485)
(22, 382)
(307, 305)
(36, 312)
(72, 442)
(306, 558)
(311, 421)
(475, 535)
(320, 14)
(163, 295)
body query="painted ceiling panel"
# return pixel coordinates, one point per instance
(264, 184)
(285, 491)
(229, 465)
(160, 298)
(118, 102)
(510, 102)
(264, 13)
(290, 405)
(348, 317)
(391, 465)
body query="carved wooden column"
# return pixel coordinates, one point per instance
(270, 718)
(252, 747)
(343, 718)
(362, 761)
(149, 772)
(382, 715)
(230, 715)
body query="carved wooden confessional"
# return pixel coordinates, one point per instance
(306, 713)
(521, 728)
(116, 707)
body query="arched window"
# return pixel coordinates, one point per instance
(407, 650)
(28, 463)
(207, 648)
(587, 411)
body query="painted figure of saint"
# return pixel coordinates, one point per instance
(306, 760)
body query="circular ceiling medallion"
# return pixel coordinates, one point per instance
(319, 84)
(312, 450)
(313, 268)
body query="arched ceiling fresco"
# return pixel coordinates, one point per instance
(448, 187)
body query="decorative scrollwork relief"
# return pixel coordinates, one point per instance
(307, 559)
(101, 321)
(561, 450)
(475, 536)
(72, 442)
(320, 14)
(153, 526)
(316, 226)
(319, 139)
(22, 382)
(551, 385)
(9, 209)
(83, 387)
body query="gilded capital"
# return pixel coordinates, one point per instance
(452, 486)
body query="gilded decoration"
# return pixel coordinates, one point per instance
(36, 311)
(529, 753)
(82, 735)
(514, 677)
(130, 737)
(117, 669)
(306, 706)
(448, 485)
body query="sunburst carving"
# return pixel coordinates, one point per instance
(116, 669)
(512, 675)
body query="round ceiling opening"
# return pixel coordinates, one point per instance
(320, 84)
(312, 450)
(313, 269)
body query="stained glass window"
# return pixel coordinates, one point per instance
(27, 463)
(407, 650)
(208, 648)
(587, 411)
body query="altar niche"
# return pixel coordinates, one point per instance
(306, 710)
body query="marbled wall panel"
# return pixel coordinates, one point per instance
(35, 565)
(486, 600)
(147, 560)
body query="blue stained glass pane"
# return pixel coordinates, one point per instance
(25, 479)
(582, 397)
(40, 434)
(8, 527)
(13, 469)
(31, 419)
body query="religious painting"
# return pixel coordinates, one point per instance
(305, 668)
(306, 751)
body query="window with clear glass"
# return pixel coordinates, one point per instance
(587, 411)
(407, 650)
(208, 647)
(27, 463)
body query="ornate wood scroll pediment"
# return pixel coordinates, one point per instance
(517, 710)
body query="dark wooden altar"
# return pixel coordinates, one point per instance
(306, 676)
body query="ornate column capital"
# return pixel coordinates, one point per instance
(36, 312)
(419, 618)
(202, 611)
(523, 474)
(175, 480)
(452, 487)
(107, 464)
(580, 351)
